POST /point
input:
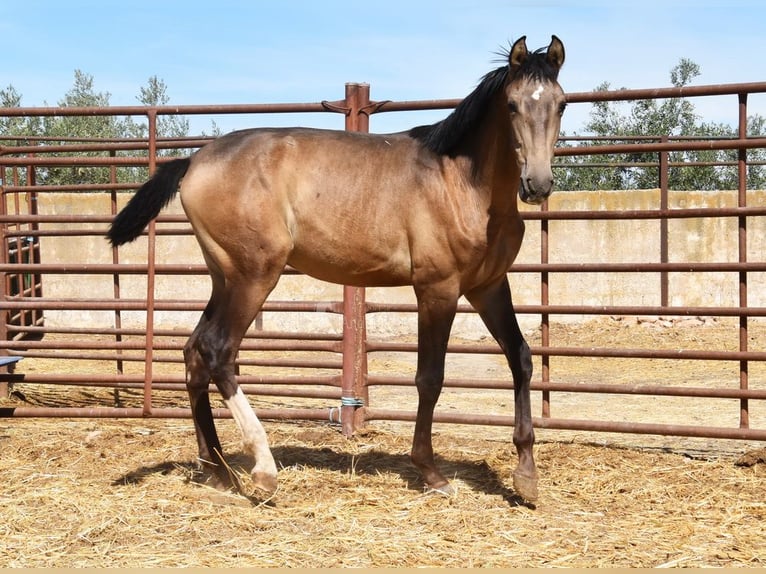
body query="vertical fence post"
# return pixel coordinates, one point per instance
(33, 253)
(150, 276)
(664, 187)
(545, 340)
(116, 279)
(744, 416)
(354, 394)
(4, 312)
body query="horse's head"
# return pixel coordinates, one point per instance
(535, 103)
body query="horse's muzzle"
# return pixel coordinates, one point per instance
(535, 191)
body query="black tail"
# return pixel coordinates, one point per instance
(148, 201)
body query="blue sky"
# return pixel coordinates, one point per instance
(228, 51)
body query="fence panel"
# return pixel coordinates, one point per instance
(110, 324)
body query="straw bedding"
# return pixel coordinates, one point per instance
(103, 493)
(123, 493)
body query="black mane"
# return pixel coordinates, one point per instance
(443, 137)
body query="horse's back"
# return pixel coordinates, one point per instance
(298, 159)
(315, 189)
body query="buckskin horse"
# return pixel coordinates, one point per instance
(433, 207)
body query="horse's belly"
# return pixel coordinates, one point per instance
(356, 269)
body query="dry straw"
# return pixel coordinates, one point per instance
(103, 493)
(123, 493)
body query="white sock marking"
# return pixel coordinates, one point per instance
(253, 434)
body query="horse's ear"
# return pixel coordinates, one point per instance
(556, 52)
(518, 53)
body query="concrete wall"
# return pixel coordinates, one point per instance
(712, 240)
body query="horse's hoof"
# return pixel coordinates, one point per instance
(213, 480)
(445, 489)
(525, 486)
(266, 483)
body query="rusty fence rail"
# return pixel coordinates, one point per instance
(139, 365)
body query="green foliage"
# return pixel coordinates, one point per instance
(649, 120)
(16, 130)
(617, 121)
(16, 126)
(85, 128)
(155, 94)
(80, 129)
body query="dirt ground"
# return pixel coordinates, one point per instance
(101, 492)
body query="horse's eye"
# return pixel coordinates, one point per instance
(513, 108)
(562, 107)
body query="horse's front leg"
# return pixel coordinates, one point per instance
(436, 311)
(495, 307)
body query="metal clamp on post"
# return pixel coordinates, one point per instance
(335, 412)
(351, 402)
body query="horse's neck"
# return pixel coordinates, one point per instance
(494, 166)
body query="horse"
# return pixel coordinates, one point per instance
(434, 207)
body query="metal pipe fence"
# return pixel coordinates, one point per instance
(324, 374)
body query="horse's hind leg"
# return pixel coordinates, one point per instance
(197, 384)
(211, 353)
(496, 310)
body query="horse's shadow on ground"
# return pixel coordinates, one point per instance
(478, 476)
